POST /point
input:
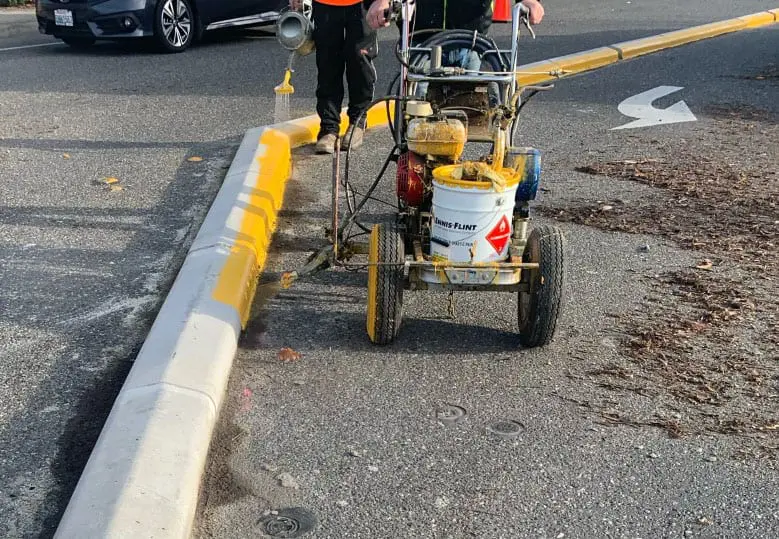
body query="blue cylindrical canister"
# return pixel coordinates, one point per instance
(527, 161)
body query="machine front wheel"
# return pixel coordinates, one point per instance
(540, 307)
(385, 284)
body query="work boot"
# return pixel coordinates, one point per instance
(326, 144)
(356, 138)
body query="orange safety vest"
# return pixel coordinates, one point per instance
(339, 2)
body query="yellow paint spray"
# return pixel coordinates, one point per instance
(283, 91)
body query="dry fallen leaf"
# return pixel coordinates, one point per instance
(66, 156)
(108, 181)
(705, 264)
(288, 355)
(195, 159)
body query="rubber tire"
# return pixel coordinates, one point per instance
(537, 325)
(79, 42)
(385, 285)
(159, 37)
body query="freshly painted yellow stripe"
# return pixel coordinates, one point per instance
(305, 130)
(373, 277)
(758, 19)
(587, 60)
(300, 132)
(538, 72)
(638, 47)
(561, 66)
(238, 279)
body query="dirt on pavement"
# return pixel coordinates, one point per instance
(704, 345)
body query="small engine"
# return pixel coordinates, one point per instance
(411, 179)
(433, 139)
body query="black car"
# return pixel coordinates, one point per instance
(174, 24)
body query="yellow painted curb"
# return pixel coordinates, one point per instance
(237, 281)
(639, 47)
(537, 72)
(759, 19)
(587, 60)
(580, 62)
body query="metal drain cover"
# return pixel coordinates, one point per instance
(449, 414)
(289, 523)
(506, 428)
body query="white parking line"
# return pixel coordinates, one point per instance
(29, 46)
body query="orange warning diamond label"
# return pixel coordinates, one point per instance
(499, 236)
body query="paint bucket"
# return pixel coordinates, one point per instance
(471, 219)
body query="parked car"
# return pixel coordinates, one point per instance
(174, 24)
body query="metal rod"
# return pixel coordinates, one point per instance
(445, 265)
(405, 40)
(474, 266)
(516, 16)
(437, 58)
(335, 232)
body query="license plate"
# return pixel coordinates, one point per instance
(63, 17)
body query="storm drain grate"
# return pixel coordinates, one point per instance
(449, 414)
(506, 428)
(289, 523)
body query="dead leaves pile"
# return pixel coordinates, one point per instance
(712, 207)
(705, 342)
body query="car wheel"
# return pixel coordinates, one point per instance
(174, 25)
(79, 42)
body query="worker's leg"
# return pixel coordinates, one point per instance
(360, 49)
(329, 28)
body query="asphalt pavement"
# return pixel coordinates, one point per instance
(85, 263)
(453, 430)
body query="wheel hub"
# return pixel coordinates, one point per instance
(176, 22)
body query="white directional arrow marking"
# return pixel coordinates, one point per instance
(640, 106)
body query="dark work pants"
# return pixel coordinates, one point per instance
(344, 43)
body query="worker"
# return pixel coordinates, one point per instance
(345, 43)
(450, 14)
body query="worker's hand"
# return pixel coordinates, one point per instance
(536, 11)
(296, 5)
(375, 16)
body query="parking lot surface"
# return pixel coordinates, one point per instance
(653, 413)
(109, 159)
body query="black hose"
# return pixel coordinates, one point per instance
(372, 188)
(391, 91)
(350, 219)
(463, 39)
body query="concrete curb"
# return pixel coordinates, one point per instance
(563, 66)
(143, 476)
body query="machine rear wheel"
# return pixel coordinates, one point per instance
(385, 284)
(540, 307)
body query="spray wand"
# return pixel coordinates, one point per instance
(283, 91)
